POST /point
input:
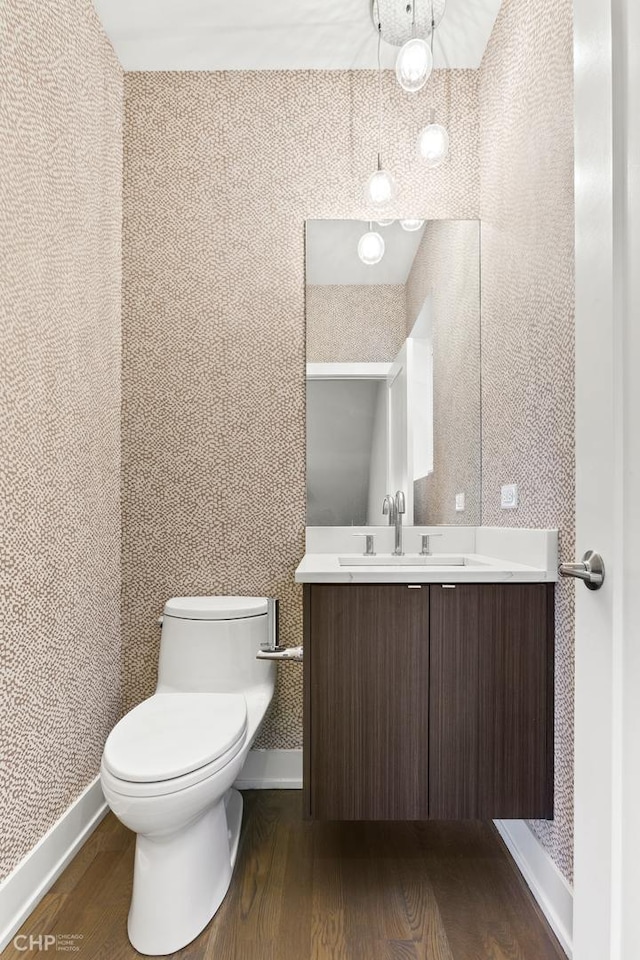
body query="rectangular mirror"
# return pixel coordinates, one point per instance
(393, 371)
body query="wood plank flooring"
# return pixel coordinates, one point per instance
(320, 891)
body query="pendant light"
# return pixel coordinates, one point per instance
(415, 60)
(433, 140)
(381, 187)
(433, 143)
(371, 247)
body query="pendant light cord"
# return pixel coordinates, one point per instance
(432, 112)
(433, 27)
(379, 94)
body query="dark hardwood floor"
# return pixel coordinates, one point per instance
(320, 891)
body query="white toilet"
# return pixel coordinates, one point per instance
(168, 765)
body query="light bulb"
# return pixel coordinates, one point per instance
(414, 65)
(411, 225)
(433, 144)
(371, 248)
(381, 188)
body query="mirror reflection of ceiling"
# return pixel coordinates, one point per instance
(279, 35)
(332, 253)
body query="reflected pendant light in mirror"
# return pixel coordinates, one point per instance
(411, 225)
(371, 247)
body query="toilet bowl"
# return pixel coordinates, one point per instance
(168, 766)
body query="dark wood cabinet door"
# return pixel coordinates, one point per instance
(453, 702)
(366, 698)
(491, 696)
(515, 736)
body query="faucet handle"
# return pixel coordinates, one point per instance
(426, 548)
(368, 543)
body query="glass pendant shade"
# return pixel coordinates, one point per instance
(381, 188)
(411, 225)
(384, 223)
(371, 248)
(414, 65)
(433, 144)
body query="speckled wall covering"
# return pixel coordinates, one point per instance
(221, 172)
(447, 266)
(526, 207)
(355, 324)
(60, 290)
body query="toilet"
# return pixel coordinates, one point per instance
(168, 766)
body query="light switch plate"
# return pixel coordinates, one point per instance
(509, 496)
(459, 502)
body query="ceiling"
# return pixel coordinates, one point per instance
(278, 35)
(332, 253)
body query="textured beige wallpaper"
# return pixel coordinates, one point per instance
(355, 323)
(60, 270)
(221, 172)
(447, 268)
(526, 207)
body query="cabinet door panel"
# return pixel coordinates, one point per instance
(368, 701)
(515, 701)
(491, 696)
(453, 696)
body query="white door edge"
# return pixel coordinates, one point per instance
(607, 706)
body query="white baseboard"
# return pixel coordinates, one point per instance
(552, 892)
(271, 770)
(24, 888)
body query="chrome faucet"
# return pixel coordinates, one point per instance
(389, 507)
(400, 509)
(394, 508)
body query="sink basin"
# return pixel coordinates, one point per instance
(407, 560)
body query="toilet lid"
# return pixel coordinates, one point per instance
(171, 734)
(215, 608)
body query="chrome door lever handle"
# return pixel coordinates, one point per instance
(590, 569)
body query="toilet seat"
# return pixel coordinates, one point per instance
(172, 738)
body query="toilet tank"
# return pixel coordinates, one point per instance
(209, 645)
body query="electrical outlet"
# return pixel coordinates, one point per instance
(459, 502)
(509, 496)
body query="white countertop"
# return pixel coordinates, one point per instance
(507, 555)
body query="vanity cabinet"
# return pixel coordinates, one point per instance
(428, 701)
